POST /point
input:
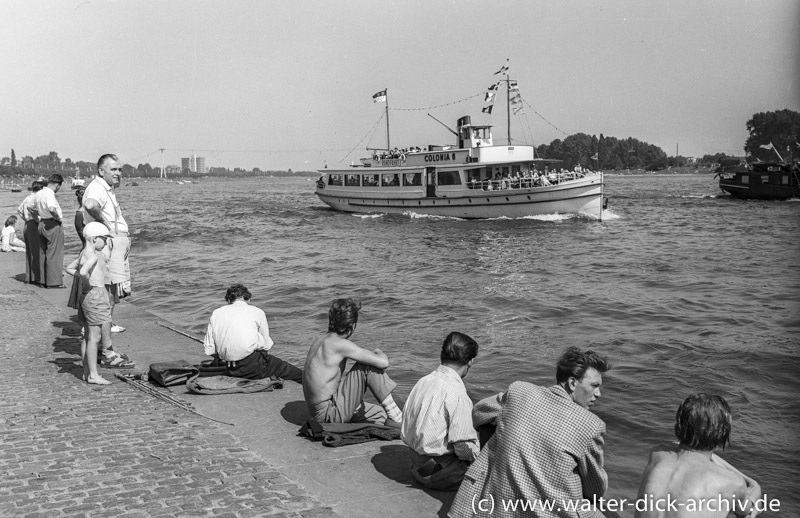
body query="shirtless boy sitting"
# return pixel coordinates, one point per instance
(335, 397)
(698, 482)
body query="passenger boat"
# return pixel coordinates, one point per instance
(77, 181)
(761, 180)
(474, 178)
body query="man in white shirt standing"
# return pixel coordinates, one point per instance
(27, 211)
(100, 204)
(238, 334)
(437, 419)
(51, 233)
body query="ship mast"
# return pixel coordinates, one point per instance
(388, 146)
(508, 107)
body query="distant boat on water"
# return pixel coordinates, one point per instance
(77, 181)
(474, 178)
(465, 181)
(761, 180)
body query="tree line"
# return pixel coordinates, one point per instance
(45, 165)
(772, 134)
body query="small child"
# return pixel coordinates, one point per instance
(95, 309)
(10, 242)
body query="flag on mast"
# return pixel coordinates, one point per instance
(379, 97)
(503, 70)
(488, 109)
(767, 146)
(489, 97)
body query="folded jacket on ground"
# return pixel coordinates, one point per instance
(342, 434)
(210, 385)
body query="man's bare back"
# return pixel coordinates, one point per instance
(699, 485)
(326, 361)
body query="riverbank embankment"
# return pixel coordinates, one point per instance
(72, 449)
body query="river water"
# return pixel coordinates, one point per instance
(683, 288)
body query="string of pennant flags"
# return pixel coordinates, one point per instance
(517, 102)
(382, 99)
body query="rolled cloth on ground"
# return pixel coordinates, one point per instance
(210, 385)
(342, 434)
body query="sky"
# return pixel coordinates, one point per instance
(289, 85)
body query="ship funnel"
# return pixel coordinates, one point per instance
(466, 120)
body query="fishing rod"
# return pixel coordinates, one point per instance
(147, 389)
(187, 335)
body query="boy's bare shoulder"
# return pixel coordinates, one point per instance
(334, 342)
(663, 451)
(727, 481)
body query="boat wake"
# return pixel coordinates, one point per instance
(369, 216)
(607, 214)
(702, 196)
(610, 215)
(414, 215)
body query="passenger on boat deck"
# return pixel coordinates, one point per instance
(506, 181)
(690, 472)
(238, 337)
(437, 419)
(333, 396)
(549, 446)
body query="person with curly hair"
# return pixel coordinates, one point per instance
(334, 396)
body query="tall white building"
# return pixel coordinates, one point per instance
(194, 163)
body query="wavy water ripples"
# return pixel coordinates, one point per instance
(685, 291)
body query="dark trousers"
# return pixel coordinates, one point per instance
(51, 252)
(33, 273)
(260, 364)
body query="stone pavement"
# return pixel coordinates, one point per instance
(72, 449)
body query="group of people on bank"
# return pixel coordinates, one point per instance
(531, 443)
(101, 273)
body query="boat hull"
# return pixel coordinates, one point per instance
(582, 196)
(759, 192)
(761, 181)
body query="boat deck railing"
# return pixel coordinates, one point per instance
(527, 182)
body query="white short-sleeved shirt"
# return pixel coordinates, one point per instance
(27, 210)
(236, 330)
(99, 191)
(44, 200)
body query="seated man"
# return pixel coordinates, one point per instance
(548, 445)
(335, 397)
(238, 334)
(437, 419)
(697, 480)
